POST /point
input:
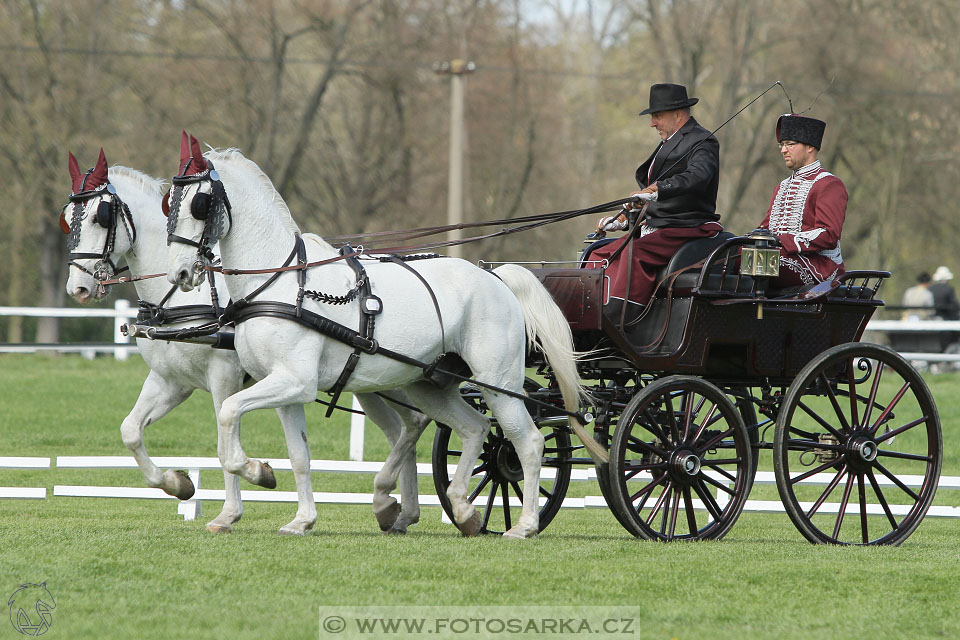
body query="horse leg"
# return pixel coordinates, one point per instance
(527, 441)
(222, 385)
(448, 407)
(402, 427)
(280, 389)
(295, 431)
(157, 397)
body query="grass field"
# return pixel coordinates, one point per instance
(133, 569)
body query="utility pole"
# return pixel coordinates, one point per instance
(456, 69)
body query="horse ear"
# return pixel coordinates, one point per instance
(198, 160)
(99, 175)
(75, 174)
(165, 204)
(184, 148)
(63, 222)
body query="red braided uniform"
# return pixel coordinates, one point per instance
(807, 212)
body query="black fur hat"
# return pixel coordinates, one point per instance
(800, 129)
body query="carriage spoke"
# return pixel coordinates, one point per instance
(711, 417)
(516, 487)
(826, 492)
(634, 469)
(672, 419)
(826, 465)
(708, 500)
(646, 491)
(674, 509)
(882, 499)
(819, 419)
(483, 482)
(852, 382)
(667, 490)
(487, 510)
(893, 403)
(873, 396)
(715, 440)
(717, 484)
(653, 426)
(899, 430)
(636, 442)
(688, 507)
(844, 501)
(546, 494)
(822, 378)
(895, 480)
(904, 456)
(713, 465)
(865, 537)
(504, 491)
(689, 413)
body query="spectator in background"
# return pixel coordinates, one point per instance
(919, 298)
(945, 302)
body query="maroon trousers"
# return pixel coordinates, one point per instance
(648, 254)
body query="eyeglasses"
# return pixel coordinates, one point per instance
(786, 143)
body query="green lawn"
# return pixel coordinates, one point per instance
(133, 569)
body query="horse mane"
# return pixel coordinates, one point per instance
(233, 155)
(149, 184)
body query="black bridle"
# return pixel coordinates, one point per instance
(213, 208)
(107, 215)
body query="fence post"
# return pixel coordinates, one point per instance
(357, 421)
(122, 307)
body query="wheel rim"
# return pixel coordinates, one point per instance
(857, 451)
(680, 441)
(496, 485)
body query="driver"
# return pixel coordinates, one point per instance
(679, 184)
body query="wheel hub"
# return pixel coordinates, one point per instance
(685, 466)
(506, 465)
(864, 448)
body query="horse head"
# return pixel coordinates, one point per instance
(197, 189)
(92, 218)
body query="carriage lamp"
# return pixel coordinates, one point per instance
(763, 258)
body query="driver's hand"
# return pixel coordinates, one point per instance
(612, 223)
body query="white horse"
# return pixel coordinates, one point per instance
(177, 368)
(488, 320)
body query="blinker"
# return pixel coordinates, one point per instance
(104, 215)
(200, 205)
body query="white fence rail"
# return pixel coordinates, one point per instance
(192, 509)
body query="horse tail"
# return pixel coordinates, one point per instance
(549, 331)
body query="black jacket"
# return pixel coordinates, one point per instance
(687, 192)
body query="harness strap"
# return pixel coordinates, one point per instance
(436, 305)
(238, 312)
(366, 323)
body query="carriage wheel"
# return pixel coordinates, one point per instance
(497, 483)
(679, 440)
(497, 480)
(859, 425)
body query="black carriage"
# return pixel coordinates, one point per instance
(687, 397)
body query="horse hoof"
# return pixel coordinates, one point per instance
(178, 484)
(519, 534)
(267, 479)
(217, 527)
(395, 531)
(284, 531)
(471, 526)
(387, 516)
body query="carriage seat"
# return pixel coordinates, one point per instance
(693, 252)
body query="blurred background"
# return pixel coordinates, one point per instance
(346, 106)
